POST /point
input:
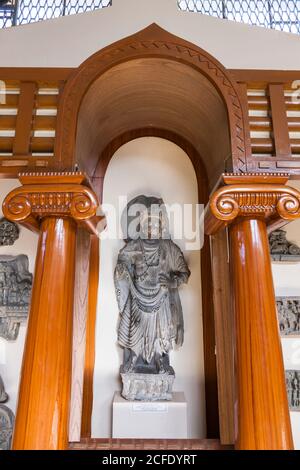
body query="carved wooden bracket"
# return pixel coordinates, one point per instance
(52, 195)
(253, 196)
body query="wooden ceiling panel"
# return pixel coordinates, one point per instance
(158, 93)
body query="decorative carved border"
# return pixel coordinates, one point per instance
(252, 195)
(150, 42)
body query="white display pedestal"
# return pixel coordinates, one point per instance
(150, 420)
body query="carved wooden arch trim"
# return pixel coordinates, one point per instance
(150, 42)
(185, 145)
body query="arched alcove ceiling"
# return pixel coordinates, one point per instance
(159, 93)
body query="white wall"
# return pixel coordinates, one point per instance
(156, 167)
(11, 351)
(66, 42)
(287, 283)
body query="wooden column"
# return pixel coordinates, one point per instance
(53, 204)
(249, 203)
(263, 414)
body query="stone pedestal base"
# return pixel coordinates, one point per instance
(147, 387)
(150, 420)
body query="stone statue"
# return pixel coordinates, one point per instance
(288, 309)
(9, 232)
(6, 420)
(293, 389)
(281, 249)
(15, 292)
(149, 271)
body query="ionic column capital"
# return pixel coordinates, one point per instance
(52, 195)
(252, 196)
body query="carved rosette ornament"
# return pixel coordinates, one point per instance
(252, 195)
(52, 194)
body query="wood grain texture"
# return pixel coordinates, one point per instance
(209, 343)
(158, 92)
(224, 333)
(24, 121)
(53, 204)
(155, 45)
(44, 395)
(279, 121)
(41, 74)
(263, 420)
(88, 382)
(275, 203)
(80, 314)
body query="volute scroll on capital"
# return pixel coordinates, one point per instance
(269, 201)
(30, 203)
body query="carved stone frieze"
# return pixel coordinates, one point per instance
(6, 420)
(15, 291)
(9, 232)
(288, 309)
(281, 249)
(293, 389)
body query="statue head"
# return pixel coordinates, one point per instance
(145, 217)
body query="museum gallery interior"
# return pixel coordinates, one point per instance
(150, 226)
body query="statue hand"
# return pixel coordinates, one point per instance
(179, 336)
(165, 281)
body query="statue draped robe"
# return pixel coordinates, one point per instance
(150, 314)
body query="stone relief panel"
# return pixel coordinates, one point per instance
(281, 249)
(9, 232)
(6, 420)
(293, 389)
(288, 309)
(15, 291)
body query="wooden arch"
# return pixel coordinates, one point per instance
(152, 42)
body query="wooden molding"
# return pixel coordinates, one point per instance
(52, 194)
(279, 121)
(36, 74)
(80, 326)
(275, 203)
(23, 131)
(150, 42)
(88, 382)
(266, 76)
(224, 333)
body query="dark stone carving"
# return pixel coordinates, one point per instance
(6, 420)
(288, 309)
(281, 249)
(149, 272)
(9, 232)
(293, 389)
(15, 290)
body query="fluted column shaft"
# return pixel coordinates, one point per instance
(247, 204)
(53, 204)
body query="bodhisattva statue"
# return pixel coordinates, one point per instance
(149, 271)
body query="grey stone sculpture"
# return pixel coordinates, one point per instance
(9, 232)
(288, 309)
(15, 291)
(149, 271)
(6, 420)
(281, 249)
(293, 389)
